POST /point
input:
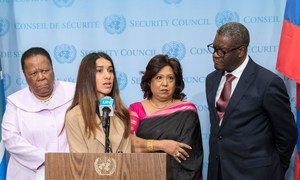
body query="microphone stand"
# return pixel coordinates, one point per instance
(107, 142)
(106, 127)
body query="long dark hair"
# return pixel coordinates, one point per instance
(86, 94)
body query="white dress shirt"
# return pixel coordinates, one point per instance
(237, 73)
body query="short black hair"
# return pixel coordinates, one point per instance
(236, 31)
(33, 52)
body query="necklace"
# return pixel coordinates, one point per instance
(160, 107)
(47, 101)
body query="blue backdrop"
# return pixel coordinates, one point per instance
(132, 32)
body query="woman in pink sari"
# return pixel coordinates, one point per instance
(163, 122)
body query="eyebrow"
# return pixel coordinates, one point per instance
(165, 75)
(38, 69)
(103, 66)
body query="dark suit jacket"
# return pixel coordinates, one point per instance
(258, 133)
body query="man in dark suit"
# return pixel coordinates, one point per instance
(253, 134)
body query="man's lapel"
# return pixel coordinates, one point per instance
(244, 83)
(215, 81)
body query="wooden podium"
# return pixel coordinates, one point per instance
(117, 166)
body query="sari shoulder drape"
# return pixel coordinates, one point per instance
(179, 122)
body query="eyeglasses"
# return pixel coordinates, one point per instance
(220, 52)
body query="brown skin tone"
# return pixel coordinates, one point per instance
(162, 86)
(39, 76)
(231, 60)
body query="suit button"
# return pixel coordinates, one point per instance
(220, 137)
(217, 157)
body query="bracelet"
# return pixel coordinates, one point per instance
(150, 145)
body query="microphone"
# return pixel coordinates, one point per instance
(106, 108)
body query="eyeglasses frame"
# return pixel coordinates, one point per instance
(222, 51)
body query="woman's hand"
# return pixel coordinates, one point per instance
(173, 148)
(138, 145)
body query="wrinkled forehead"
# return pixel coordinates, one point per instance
(37, 61)
(223, 42)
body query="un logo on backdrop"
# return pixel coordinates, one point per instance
(172, 1)
(4, 26)
(63, 3)
(225, 17)
(65, 53)
(115, 24)
(174, 49)
(122, 80)
(7, 81)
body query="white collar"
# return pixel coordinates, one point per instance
(238, 71)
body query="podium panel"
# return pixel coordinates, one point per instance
(117, 166)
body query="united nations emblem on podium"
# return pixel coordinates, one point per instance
(105, 166)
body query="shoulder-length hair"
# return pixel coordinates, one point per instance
(86, 94)
(154, 66)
